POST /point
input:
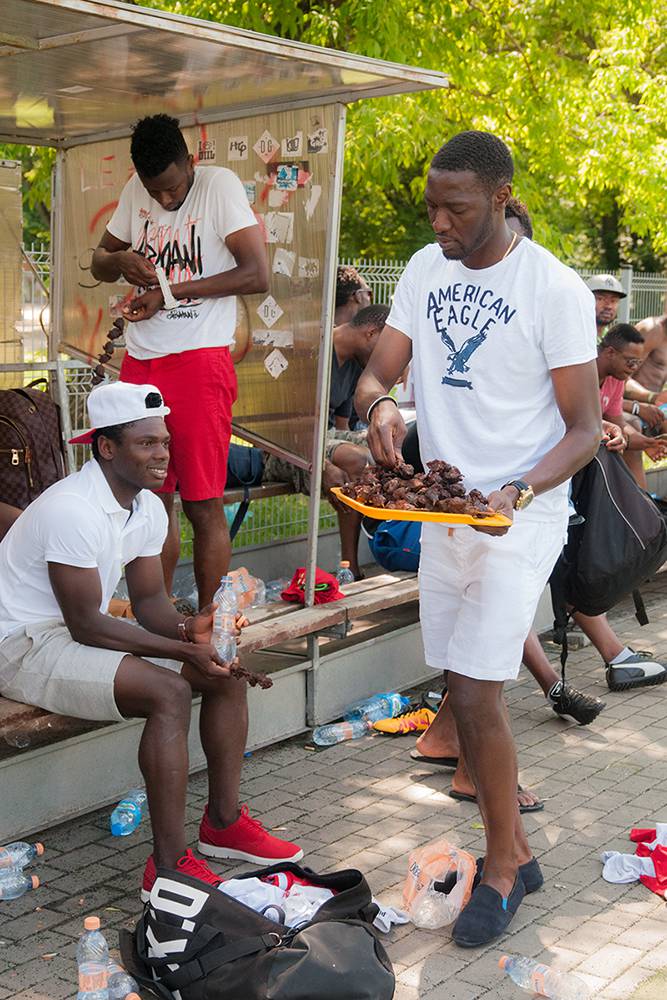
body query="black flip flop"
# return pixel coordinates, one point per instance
(421, 758)
(464, 797)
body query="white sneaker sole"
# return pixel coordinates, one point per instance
(211, 851)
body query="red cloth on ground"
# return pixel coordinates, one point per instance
(328, 584)
(658, 855)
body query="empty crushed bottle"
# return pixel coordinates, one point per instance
(337, 732)
(18, 855)
(224, 621)
(121, 985)
(14, 884)
(127, 815)
(379, 706)
(92, 957)
(344, 574)
(541, 979)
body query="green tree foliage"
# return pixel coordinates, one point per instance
(576, 87)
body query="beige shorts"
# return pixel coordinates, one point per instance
(41, 664)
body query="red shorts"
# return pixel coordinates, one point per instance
(200, 389)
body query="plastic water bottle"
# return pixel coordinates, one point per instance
(127, 815)
(379, 706)
(14, 884)
(121, 985)
(224, 628)
(546, 982)
(92, 956)
(18, 855)
(344, 574)
(337, 732)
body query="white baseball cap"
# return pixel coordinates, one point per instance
(606, 283)
(121, 403)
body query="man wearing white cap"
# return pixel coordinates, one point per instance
(60, 563)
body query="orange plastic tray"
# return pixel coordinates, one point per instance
(392, 514)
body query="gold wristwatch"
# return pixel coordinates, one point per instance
(525, 493)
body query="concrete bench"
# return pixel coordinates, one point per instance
(54, 768)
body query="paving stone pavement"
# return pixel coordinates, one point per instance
(365, 804)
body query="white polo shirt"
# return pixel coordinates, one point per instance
(76, 522)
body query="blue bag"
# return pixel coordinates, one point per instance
(397, 545)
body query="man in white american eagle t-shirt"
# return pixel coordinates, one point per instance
(501, 337)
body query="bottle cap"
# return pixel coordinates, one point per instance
(35, 881)
(92, 923)
(344, 564)
(503, 960)
(39, 848)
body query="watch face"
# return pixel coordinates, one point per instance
(525, 497)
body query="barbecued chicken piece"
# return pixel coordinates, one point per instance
(454, 505)
(478, 498)
(456, 490)
(404, 470)
(376, 500)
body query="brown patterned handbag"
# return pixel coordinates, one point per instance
(31, 444)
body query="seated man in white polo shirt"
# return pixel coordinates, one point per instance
(60, 563)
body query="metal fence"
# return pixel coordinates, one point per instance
(648, 291)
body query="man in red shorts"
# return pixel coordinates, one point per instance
(195, 224)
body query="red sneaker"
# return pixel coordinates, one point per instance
(188, 864)
(245, 840)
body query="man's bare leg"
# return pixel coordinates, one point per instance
(635, 462)
(487, 743)
(171, 549)
(223, 728)
(212, 547)
(538, 664)
(601, 634)
(162, 697)
(349, 528)
(441, 739)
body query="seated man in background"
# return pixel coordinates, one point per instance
(60, 563)
(621, 353)
(644, 393)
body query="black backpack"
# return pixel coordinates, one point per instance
(196, 943)
(619, 542)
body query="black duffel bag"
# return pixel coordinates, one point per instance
(196, 943)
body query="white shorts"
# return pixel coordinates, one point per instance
(478, 594)
(41, 664)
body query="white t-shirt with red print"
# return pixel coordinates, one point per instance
(189, 244)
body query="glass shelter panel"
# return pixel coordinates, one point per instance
(11, 223)
(285, 161)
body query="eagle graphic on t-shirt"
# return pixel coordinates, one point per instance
(459, 356)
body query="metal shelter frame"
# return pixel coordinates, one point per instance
(224, 73)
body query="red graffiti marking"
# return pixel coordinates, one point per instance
(105, 210)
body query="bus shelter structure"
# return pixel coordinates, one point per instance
(76, 74)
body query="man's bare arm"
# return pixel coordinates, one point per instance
(386, 431)
(79, 594)
(578, 400)
(250, 275)
(113, 260)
